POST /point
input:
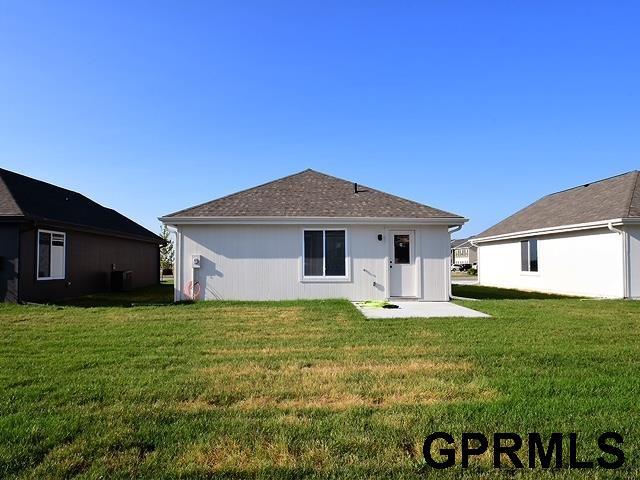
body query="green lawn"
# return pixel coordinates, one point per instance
(305, 389)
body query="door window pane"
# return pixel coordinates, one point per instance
(401, 249)
(313, 252)
(334, 253)
(533, 255)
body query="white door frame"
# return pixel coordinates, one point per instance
(414, 259)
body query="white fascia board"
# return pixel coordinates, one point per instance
(551, 230)
(449, 221)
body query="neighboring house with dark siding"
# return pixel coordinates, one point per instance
(56, 243)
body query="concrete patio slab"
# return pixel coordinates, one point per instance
(413, 308)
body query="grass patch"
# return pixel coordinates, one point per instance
(493, 293)
(305, 389)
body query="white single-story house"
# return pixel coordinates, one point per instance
(582, 241)
(311, 235)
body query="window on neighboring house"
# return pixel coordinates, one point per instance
(325, 253)
(529, 255)
(51, 255)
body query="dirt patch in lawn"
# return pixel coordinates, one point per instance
(229, 454)
(333, 385)
(270, 315)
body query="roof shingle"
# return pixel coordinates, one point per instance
(28, 198)
(313, 194)
(610, 198)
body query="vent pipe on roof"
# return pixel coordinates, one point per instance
(355, 187)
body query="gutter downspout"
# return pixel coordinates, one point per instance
(625, 259)
(456, 228)
(177, 263)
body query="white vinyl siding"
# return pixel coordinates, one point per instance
(265, 262)
(587, 263)
(50, 255)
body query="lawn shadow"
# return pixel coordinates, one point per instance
(155, 295)
(480, 292)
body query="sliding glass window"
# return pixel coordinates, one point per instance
(529, 255)
(325, 253)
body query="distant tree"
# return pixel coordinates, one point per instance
(167, 254)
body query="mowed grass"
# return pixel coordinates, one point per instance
(307, 389)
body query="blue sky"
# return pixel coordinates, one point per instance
(474, 107)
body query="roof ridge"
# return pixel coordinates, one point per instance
(382, 192)
(479, 235)
(317, 183)
(614, 197)
(633, 193)
(590, 183)
(42, 182)
(33, 179)
(241, 191)
(413, 202)
(17, 184)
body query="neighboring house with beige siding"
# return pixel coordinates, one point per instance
(463, 252)
(311, 235)
(582, 241)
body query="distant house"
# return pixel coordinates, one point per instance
(581, 241)
(55, 243)
(311, 235)
(463, 252)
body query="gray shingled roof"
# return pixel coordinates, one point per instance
(615, 197)
(313, 194)
(25, 198)
(460, 242)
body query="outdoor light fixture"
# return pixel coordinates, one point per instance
(380, 237)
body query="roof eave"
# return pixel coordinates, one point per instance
(39, 221)
(557, 229)
(280, 220)
(13, 218)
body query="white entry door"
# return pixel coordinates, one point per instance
(402, 264)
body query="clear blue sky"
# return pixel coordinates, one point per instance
(475, 107)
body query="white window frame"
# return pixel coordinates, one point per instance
(324, 278)
(64, 255)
